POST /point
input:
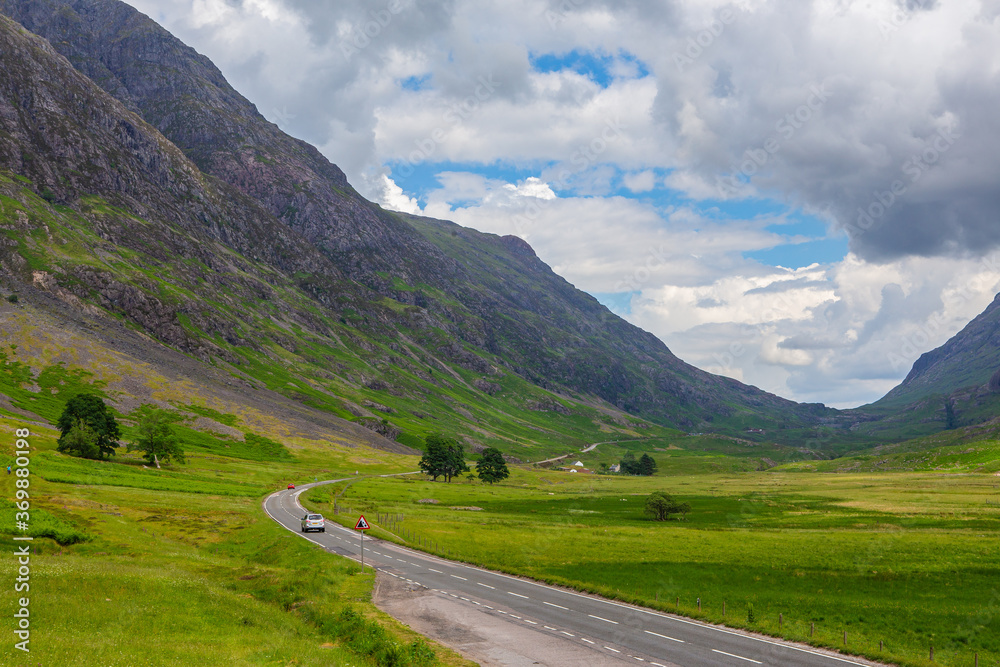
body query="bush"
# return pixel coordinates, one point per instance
(12, 298)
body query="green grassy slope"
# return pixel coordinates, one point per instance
(181, 566)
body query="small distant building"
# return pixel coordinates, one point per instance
(578, 464)
(758, 431)
(615, 467)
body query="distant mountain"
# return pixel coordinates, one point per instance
(952, 387)
(161, 196)
(969, 359)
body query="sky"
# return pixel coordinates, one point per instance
(800, 194)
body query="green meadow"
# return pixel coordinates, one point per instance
(137, 566)
(910, 560)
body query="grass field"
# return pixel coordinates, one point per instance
(133, 566)
(908, 559)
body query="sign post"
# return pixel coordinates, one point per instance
(361, 526)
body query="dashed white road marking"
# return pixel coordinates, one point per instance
(518, 595)
(738, 657)
(532, 622)
(492, 588)
(612, 649)
(433, 570)
(606, 620)
(584, 639)
(567, 633)
(558, 606)
(656, 634)
(458, 577)
(547, 627)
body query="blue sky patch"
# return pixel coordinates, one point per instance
(415, 82)
(799, 255)
(619, 303)
(421, 178)
(601, 68)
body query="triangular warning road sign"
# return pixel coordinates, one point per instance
(362, 524)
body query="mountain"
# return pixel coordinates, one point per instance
(138, 184)
(969, 359)
(954, 386)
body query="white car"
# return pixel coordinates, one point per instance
(313, 522)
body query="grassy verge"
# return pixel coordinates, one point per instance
(166, 576)
(909, 560)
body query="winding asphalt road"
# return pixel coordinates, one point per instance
(617, 630)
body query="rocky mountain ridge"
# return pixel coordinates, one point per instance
(229, 240)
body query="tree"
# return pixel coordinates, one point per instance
(491, 467)
(155, 436)
(949, 412)
(629, 466)
(443, 457)
(647, 466)
(660, 505)
(80, 441)
(91, 410)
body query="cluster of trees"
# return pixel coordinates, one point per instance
(445, 457)
(645, 465)
(660, 505)
(89, 430)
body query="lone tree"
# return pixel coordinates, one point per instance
(89, 410)
(155, 436)
(660, 505)
(647, 466)
(491, 467)
(443, 457)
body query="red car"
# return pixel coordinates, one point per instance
(291, 486)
